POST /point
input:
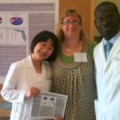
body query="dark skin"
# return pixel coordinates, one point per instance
(107, 21)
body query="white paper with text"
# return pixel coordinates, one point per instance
(48, 105)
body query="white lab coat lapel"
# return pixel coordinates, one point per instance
(30, 70)
(102, 53)
(39, 79)
(115, 49)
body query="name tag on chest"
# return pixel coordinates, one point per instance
(80, 57)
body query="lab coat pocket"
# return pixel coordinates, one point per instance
(97, 109)
(20, 111)
(18, 116)
(14, 115)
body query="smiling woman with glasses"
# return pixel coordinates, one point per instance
(74, 76)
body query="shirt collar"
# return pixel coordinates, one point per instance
(112, 40)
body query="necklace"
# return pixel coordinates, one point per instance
(68, 49)
(72, 50)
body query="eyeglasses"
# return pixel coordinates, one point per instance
(67, 23)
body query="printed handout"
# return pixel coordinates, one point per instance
(48, 105)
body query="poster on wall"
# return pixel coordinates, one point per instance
(20, 21)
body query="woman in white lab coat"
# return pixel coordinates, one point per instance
(32, 75)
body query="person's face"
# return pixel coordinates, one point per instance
(43, 50)
(71, 26)
(107, 21)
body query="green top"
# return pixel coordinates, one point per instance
(70, 59)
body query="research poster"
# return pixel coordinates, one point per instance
(20, 21)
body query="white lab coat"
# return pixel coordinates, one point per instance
(21, 76)
(107, 106)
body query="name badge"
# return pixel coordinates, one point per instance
(80, 57)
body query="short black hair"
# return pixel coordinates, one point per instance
(106, 3)
(42, 37)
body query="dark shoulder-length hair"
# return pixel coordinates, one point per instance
(43, 37)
